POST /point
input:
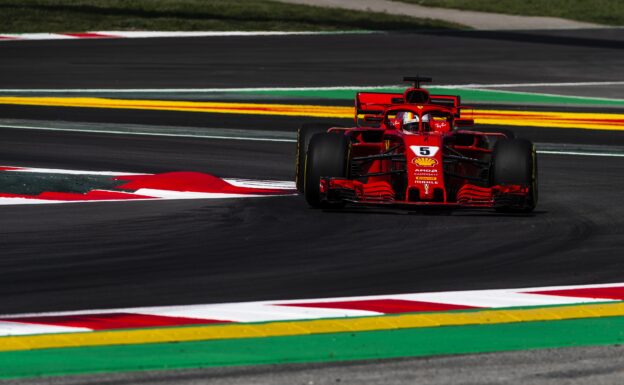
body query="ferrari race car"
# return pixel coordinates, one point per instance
(415, 149)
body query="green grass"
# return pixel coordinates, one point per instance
(191, 15)
(609, 12)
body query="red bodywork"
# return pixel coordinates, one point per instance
(442, 162)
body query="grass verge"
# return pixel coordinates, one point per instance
(18, 16)
(610, 12)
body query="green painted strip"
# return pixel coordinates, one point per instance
(468, 96)
(315, 348)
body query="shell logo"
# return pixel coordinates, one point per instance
(425, 162)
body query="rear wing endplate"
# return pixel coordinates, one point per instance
(371, 104)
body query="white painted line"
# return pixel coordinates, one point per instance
(95, 131)
(27, 201)
(581, 153)
(18, 201)
(152, 34)
(71, 172)
(497, 298)
(36, 36)
(254, 312)
(331, 88)
(4, 201)
(275, 184)
(20, 329)
(515, 85)
(169, 194)
(166, 34)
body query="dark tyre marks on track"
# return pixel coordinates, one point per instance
(99, 255)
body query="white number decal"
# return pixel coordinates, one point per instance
(426, 151)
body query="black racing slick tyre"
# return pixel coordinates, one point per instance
(514, 162)
(327, 156)
(304, 134)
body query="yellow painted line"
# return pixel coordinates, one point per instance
(592, 121)
(294, 328)
(595, 121)
(185, 106)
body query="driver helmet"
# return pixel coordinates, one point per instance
(410, 121)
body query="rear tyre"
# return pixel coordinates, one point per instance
(304, 134)
(514, 162)
(327, 156)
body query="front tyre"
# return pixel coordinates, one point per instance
(514, 162)
(304, 134)
(327, 156)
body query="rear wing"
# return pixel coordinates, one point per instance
(369, 105)
(374, 103)
(451, 101)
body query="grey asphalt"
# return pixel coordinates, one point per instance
(102, 255)
(450, 57)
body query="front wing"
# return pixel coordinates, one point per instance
(338, 190)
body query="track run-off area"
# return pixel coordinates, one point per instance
(185, 247)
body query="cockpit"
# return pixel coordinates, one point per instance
(412, 122)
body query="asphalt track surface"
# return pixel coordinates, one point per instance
(118, 254)
(450, 57)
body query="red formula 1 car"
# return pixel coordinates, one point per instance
(414, 149)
